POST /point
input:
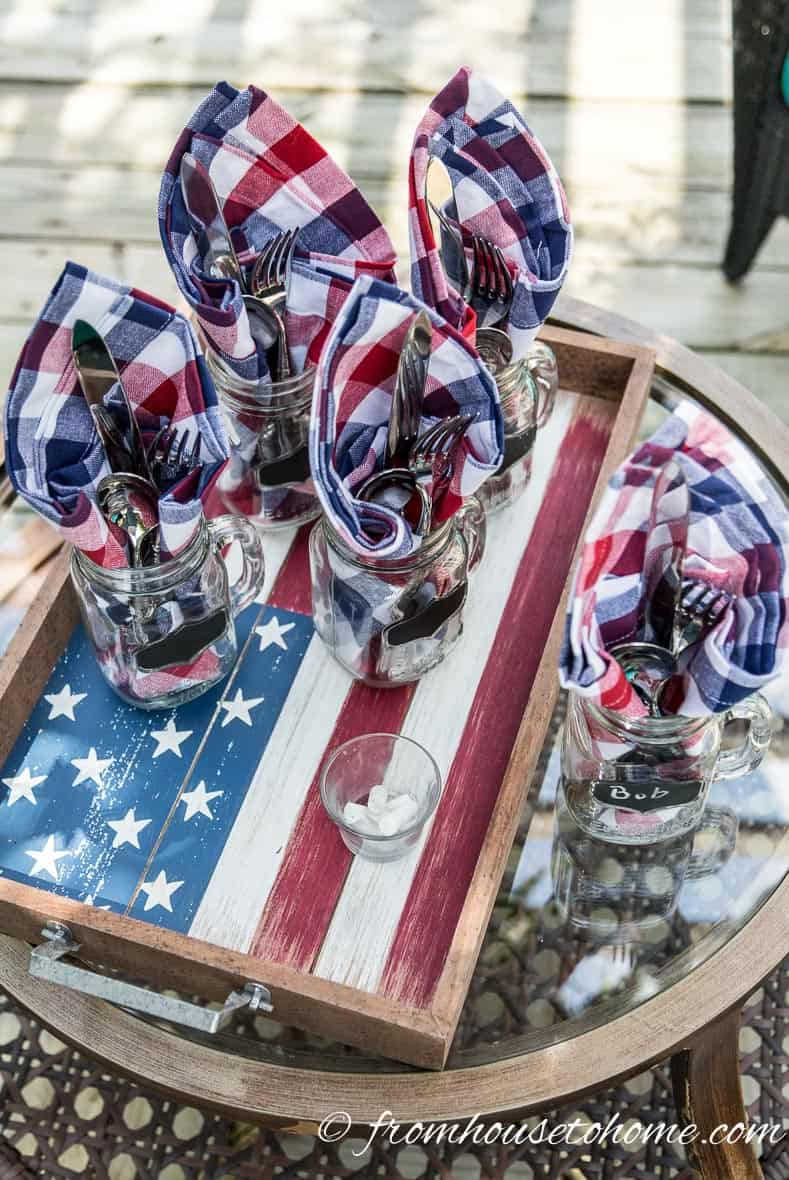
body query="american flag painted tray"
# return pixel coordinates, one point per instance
(189, 848)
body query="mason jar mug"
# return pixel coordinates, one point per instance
(164, 634)
(527, 392)
(641, 780)
(390, 621)
(267, 477)
(518, 399)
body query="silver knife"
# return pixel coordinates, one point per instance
(98, 374)
(663, 562)
(204, 208)
(218, 252)
(406, 412)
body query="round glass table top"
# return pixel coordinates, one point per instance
(584, 930)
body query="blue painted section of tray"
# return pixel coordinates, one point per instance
(92, 784)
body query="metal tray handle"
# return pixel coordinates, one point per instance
(46, 962)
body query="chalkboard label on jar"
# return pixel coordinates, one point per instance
(645, 797)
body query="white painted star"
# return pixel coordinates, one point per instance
(159, 892)
(197, 801)
(127, 830)
(272, 632)
(170, 739)
(63, 702)
(21, 787)
(91, 767)
(238, 709)
(46, 859)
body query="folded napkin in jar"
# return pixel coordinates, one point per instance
(738, 541)
(270, 175)
(505, 189)
(54, 456)
(355, 382)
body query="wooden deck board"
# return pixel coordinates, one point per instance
(631, 101)
(575, 48)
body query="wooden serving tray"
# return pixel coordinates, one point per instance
(190, 847)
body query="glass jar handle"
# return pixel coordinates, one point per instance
(226, 529)
(745, 758)
(473, 526)
(724, 822)
(541, 362)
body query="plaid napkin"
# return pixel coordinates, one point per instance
(270, 175)
(54, 455)
(738, 540)
(505, 189)
(350, 413)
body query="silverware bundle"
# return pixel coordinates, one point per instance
(678, 611)
(486, 285)
(418, 468)
(264, 291)
(129, 497)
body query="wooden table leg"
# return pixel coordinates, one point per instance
(707, 1092)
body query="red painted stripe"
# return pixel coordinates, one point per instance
(300, 905)
(431, 913)
(292, 586)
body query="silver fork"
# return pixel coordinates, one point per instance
(268, 284)
(454, 233)
(269, 277)
(434, 452)
(490, 281)
(169, 458)
(700, 607)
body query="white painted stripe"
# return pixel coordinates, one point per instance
(230, 910)
(276, 546)
(357, 943)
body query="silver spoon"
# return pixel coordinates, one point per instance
(148, 550)
(131, 504)
(397, 488)
(494, 347)
(647, 667)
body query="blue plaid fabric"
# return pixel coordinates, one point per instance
(738, 541)
(505, 189)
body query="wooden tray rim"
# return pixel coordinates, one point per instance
(326, 1007)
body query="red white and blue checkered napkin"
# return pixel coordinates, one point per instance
(505, 188)
(738, 540)
(350, 413)
(270, 175)
(54, 456)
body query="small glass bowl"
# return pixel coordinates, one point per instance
(388, 759)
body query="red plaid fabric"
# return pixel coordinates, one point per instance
(350, 414)
(270, 175)
(53, 453)
(738, 540)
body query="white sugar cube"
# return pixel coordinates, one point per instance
(377, 799)
(367, 825)
(401, 811)
(389, 823)
(405, 805)
(354, 812)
